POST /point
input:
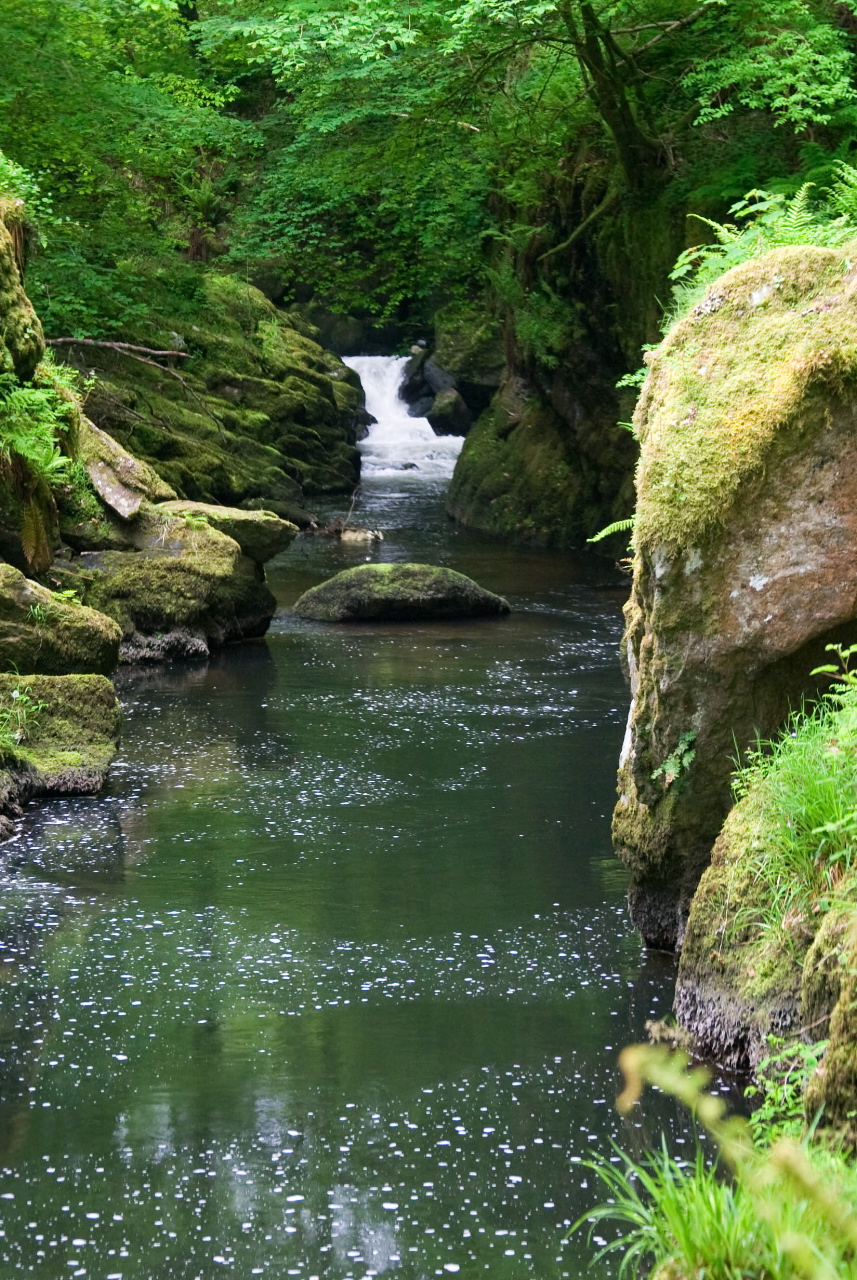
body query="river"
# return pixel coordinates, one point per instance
(331, 980)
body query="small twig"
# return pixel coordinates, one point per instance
(124, 347)
(354, 498)
(127, 349)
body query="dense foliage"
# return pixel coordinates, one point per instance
(383, 157)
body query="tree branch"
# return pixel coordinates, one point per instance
(607, 203)
(126, 348)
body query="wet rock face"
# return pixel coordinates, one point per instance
(398, 592)
(746, 555)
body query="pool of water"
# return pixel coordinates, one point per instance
(332, 979)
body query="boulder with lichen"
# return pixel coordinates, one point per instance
(745, 552)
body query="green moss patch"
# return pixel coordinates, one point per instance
(71, 732)
(748, 372)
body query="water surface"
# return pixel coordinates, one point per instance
(331, 981)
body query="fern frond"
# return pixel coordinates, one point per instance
(618, 526)
(35, 537)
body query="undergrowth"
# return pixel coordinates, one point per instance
(765, 220)
(806, 785)
(38, 439)
(19, 716)
(784, 1211)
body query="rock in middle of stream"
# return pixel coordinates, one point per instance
(400, 593)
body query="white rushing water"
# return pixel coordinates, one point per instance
(398, 442)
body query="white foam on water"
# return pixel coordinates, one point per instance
(397, 442)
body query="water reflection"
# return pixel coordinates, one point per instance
(332, 981)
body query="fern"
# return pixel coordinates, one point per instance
(765, 220)
(35, 534)
(618, 526)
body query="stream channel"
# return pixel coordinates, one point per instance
(331, 980)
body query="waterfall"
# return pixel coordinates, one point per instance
(397, 442)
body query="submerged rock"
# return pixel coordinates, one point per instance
(745, 552)
(45, 632)
(398, 592)
(69, 736)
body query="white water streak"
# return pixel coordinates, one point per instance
(398, 442)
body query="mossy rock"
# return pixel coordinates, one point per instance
(525, 474)
(832, 1090)
(739, 982)
(72, 733)
(257, 412)
(22, 342)
(120, 480)
(189, 583)
(398, 592)
(727, 388)
(41, 632)
(470, 346)
(261, 535)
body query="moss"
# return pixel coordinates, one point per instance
(22, 343)
(71, 737)
(42, 633)
(831, 1093)
(186, 576)
(523, 474)
(398, 592)
(261, 411)
(260, 534)
(746, 373)
(739, 981)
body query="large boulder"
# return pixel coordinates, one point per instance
(261, 535)
(187, 588)
(67, 731)
(745, 552)
(398, 592)
(46, 632)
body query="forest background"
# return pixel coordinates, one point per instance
(538, 159)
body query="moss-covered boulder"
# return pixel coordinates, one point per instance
(745, 558)
(261, 535)
(122, 481)
(22, 343)
(398, 592)
(68, 728)
(254, 410)
(48, 633)
(186, 589)
(738, 981)
(532, 472)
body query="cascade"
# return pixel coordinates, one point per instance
(397, 442)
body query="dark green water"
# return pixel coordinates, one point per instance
(332, 980)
